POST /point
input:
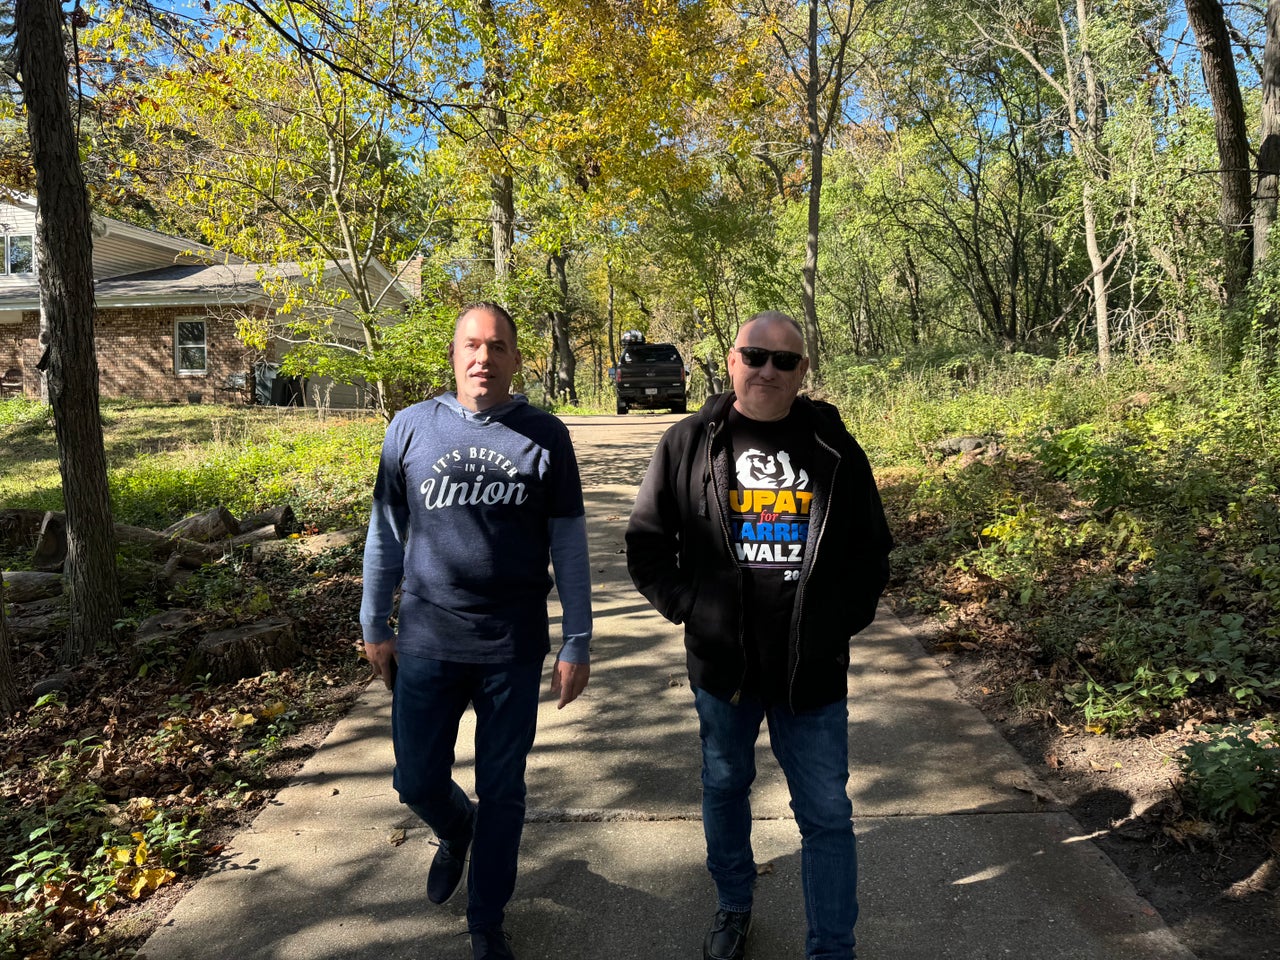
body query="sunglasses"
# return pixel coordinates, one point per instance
(783, 360)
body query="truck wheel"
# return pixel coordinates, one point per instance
(622, 409)
(678, 407)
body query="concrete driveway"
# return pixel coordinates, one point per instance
(964, 854)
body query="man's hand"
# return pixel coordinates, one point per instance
(568, 680)
(382, 657)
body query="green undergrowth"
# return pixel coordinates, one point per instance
(165, 462)
(1116, 544)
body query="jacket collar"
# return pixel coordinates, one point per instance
(716, 410)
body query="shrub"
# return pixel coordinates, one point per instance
(1235, 773)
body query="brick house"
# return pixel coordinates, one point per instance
(165, 318)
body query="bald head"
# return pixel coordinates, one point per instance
(767, 365)
(770, 317)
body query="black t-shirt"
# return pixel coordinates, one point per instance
(768, 513)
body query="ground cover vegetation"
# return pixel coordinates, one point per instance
(1094, 556)
(120, 784)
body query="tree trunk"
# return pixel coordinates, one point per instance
(64, 257)
(1209, 22)
(1101, 308)
(613, 348)
(502, 212)
(1093, 169)
(809, 290)
(1264, 215)
(502, 203)
(911, 278)
(567, 365)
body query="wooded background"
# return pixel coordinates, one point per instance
(1099, 176)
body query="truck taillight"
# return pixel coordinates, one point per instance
(617, 374)
(682, 374)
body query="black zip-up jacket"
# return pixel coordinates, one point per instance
(680, 557)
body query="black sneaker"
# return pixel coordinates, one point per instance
(727, 938)
(447, 868)
(493, 944)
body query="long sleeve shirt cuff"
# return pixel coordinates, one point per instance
(576, 649)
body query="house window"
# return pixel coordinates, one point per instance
(189, 347)
(19, 255)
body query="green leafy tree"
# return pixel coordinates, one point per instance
(817, 43)
(272, 154)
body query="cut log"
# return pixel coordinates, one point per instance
(175, 571)
(138, 578)
(37, 608)
(167, 623)
(170, 629)
(19, 528)
(51, 547)
(282, 518)
(125, 533)
(215, 524)
(51, 544)
(230, 655)
(162, 546)
(22, 586)
(41, 621)
(310, 546)
(269, 532)
(192, 555)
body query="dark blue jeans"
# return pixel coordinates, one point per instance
(812, 748)
(430, 698)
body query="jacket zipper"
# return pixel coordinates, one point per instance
(728, 545)
(810, 559)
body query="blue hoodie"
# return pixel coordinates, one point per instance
(468, 510)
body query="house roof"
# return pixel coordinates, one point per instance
(142, 243)
(220, 284)
(135, 266)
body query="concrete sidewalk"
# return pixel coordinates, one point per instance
(964, 855)
(959, 856)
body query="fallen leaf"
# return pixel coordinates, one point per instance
(148, 880)
(1184, 830)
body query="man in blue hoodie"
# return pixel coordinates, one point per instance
(476, 492)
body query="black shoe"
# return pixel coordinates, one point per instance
(727, 938)
(492, 944)
(447, 868)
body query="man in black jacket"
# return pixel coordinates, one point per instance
(759, 527)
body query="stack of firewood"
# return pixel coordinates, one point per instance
(218, 648)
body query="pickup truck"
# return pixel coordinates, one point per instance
(650, 375)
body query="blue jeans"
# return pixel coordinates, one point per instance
(430, 698)
(812, 748)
